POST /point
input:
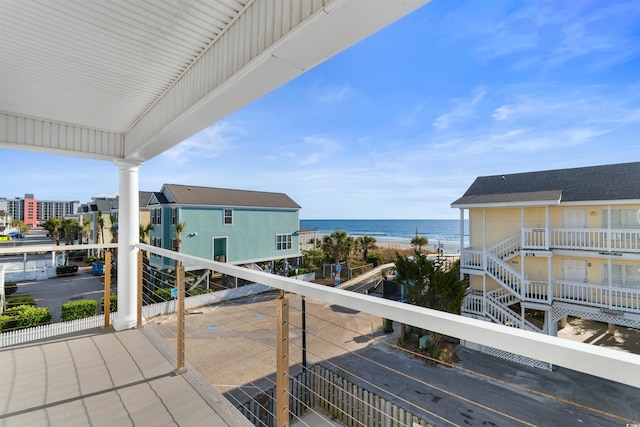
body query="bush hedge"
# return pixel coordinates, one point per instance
(24, 316)
(113, 303)
(21, 300)
(10, 288)
(66, 269)
(79, 309)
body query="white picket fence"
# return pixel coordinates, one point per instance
(21, 336)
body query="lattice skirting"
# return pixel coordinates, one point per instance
(560, 312)
(522, 360)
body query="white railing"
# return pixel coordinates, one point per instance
(534, 238)
(507, 317)
(594, 239)
(503, 296)
(535, 291)
(624, 367)
(507, 248)
(473, 303)
(507, 276)
(472, 259)
(627, 299)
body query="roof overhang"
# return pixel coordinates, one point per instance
(131, 79)
(533, 198)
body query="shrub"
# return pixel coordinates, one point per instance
(66, 269)
(7, 322)
(21, 300)
(78, 255)
(113, 303)
(161, 295)
(25, 316)
(194, 292)
(375, 259)
(164, 294)
(89, 259)
(301, 271)
(10, 288)
(79, 309)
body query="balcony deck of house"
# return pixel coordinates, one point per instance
(101, 377)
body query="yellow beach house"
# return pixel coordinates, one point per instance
(551, 244)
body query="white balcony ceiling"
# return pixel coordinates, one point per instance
(128, 79)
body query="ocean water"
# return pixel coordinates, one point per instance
(444, 231)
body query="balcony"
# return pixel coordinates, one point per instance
(584, 239)
(131, 370)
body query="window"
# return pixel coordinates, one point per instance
(228, 216)
(622, 275)
(622, 218)
(174, 216)
(155, 216)
(283, 242)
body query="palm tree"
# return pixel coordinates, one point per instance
(143, 236)
(144, 231)
(180, 227)
(99, 230)
(367, 243)
(86, 226)
(113, 228)
(418, 242)
(337, 245)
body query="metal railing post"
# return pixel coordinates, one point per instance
(282, 362)
(107, 289)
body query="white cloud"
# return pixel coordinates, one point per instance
(321, 148)
(462, 109)
(208, 144)
(333, 95)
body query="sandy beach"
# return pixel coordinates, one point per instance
(449, 247)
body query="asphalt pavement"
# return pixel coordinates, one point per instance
(232, 346)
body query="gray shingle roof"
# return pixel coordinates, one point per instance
(143, 199)
(192, 195)
(608, 182)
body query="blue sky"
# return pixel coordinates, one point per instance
(399, 125)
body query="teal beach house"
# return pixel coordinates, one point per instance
(235, 226)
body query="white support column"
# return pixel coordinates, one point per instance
(522, 235)
(461, 241)
(128, 235)
(609, 230)
(550, 296)
(547, 235)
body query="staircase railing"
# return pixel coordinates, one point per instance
(504, 274)
(505, 316)
(503, 297)
(507, 248)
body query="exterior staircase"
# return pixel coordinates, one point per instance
(496, 303)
